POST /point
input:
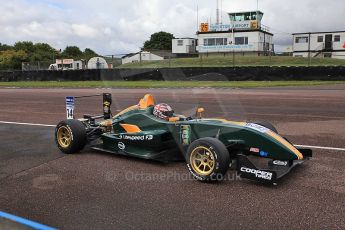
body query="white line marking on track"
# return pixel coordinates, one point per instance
(29, 124)
(45, 125)
(320, 147)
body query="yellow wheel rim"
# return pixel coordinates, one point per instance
(64, 137)
(202, 161)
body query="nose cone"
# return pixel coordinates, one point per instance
(298, 155)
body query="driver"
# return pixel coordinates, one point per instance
(163, 111)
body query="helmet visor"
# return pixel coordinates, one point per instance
(168, 113)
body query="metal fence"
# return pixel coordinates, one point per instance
(32, 66)
(221, 59)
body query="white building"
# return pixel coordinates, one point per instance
(319, 44)
(245, 35)
(97, 63)
(66, 64)
(184, 45)
(141, 56)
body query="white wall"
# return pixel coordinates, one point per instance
(316, 46)
(188, 45)
(255, 42)
(145, 56)
(77, 65)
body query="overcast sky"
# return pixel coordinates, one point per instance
(121, 26)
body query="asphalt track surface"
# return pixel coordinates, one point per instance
(93, 190)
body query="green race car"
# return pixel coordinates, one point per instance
(208, 146)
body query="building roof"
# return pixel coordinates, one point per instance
(143, 52)
(243, 12)
(185, 38)
(129, 55)
(235, 31)
(319, 32)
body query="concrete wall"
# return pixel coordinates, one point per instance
(183, 74)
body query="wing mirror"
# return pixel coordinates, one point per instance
(106, 105)
(199, 112)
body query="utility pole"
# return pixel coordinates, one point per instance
(197, 17)
(140, 61)
(257, 13)
(309, 55)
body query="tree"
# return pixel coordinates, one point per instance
(43, 52)
(72, 52)
(26, 46)
(89, 53)
(4, 47)
(11, 59)
(36, 52)
(159, 41)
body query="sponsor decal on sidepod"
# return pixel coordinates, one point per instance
(121, 145)
(136, 138)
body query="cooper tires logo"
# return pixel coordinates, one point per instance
(258, 173)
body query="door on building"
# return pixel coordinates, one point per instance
(328, 42)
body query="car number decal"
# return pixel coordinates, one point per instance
(70, 107)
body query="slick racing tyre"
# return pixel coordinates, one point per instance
(208, 159)
(267, 125)
(70, 136)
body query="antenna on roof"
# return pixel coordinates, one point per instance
(217, 13)
(221, 11)
(197, 17)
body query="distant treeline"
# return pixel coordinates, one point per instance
(11, 57)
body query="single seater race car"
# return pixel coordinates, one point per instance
(208, 146)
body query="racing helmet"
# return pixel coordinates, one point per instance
(163, 111)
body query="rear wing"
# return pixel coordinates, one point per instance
(107, 101)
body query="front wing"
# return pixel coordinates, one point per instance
(274, 171)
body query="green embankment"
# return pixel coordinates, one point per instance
(227, 61)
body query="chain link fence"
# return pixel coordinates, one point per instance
(39, 65)
(231, 59)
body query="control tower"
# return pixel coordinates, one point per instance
(244, 34)
(246, 20)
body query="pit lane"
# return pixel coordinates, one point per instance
(96, 190)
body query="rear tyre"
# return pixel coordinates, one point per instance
(70, 136)
(208, 159)
(267, 125)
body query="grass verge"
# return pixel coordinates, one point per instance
(162, 84)
(228, 61)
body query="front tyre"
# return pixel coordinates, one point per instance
(70, 136)
(208, 159)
